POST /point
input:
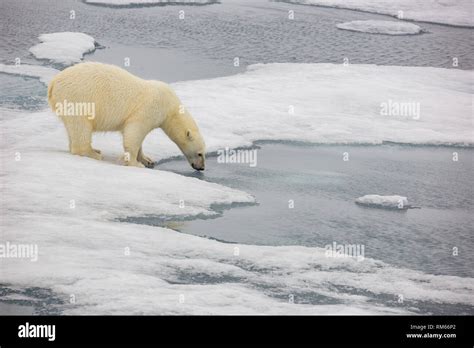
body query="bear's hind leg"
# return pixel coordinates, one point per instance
(80, 137)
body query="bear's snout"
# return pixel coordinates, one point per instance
(198, 167)
(197, 161)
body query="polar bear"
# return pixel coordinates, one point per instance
(95, 97)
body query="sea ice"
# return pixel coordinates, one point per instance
(69, 205)
(381, 27)
(43, 73)
(120, 268)
(125, 3)
(333, 103)
(64, 48)
(451, 12)
(390, 202)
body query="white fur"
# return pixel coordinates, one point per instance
(125, 103)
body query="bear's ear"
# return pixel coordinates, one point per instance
(189, 135)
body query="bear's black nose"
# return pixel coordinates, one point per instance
(197, 168)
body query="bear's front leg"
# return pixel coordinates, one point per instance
(133, 135)
(147, 161)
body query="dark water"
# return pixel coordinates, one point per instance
(22, 93)
(256, 31)
(205, 43)
(324, 187)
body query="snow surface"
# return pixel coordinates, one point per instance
(391, 202)
(332, 103)
(64, 48)
(124, 3)
(302, 102)
(381, 27)
(69, 205)
(46, 169)
(451, 12)
(86, 258)
(43, 73)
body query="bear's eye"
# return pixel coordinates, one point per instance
(200, 154)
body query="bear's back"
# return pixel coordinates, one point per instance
(113, 91)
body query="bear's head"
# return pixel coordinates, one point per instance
(194, 148)
(182, 129)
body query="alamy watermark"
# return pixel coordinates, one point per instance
(67, 108)
(409, 109)
(20, 251)
(228, 155)
(336, 250)
(37, 331)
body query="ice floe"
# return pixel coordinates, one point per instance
(451, 12)
(43, 73)
(64, 48)
(333, 103)
(302, 102)
(138, 3)
(388, 202)
(381, 27)
(119, 268)
(47, 171)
